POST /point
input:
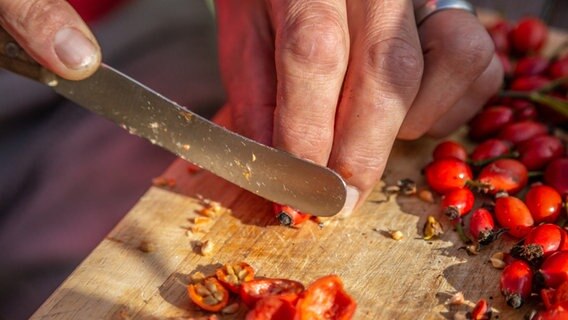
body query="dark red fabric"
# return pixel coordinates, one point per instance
(91, 10)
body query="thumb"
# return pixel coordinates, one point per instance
(54, 35)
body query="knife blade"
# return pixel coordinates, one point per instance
(268, 172)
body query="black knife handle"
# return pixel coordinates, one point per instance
(14, 58)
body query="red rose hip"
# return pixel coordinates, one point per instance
(529, 35)
(544, 203)
(443, 175)
(450, 149)
(507, 175)
(482, 226)
(554, 270)
(529, 83)
(513, 214)
(556, 175)
(516, 283)
(521, 131)
(490, 149)
(540, 242)
(489, 121)
(531, 66)
(535, 153)
(457, 203)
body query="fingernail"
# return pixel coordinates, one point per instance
(351, 200)
(74, 49)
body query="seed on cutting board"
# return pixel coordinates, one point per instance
(456, 299)
(432, 228)
(497, 260)
(195, 229)
(407, 186)
(197, 277)
(201, 220)
(396, 234)
(460, 315)
(230, 309)
(146, 246)
(426, 196)
(206, 247)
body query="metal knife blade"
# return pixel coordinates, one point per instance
(270, 173)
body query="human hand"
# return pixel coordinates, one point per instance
(336, 82)
(53, 34)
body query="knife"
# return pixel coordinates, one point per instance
(268, 172)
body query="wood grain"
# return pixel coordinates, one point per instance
(407, 279)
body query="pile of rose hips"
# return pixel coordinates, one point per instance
(518, 170)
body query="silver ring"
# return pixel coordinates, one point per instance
(433, 6)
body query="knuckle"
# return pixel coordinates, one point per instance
(36, 14)
(409, 132)
(309, 140)
(316, 40)
(367, 166)
(492, 78)
(395, 61)
(474, 50)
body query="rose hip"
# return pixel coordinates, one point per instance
(556, 175)
(529, 83)
(528, 113)
(523, 109)
(457, 203)
(443, 175)
(535, 153)
(559, 68)
(513, 214)
(516, 283)
(554, 270)
(561, 295)
(544, 203)
(523, 130)
(489, 121)
(490, 149)
(499, 33)
(529, 35)
(540, 243)
(557, 312)
(482, 226)
(507, 175)
(450, 149)
(289, 216)
(481, 311)
(506, 63)
(531, 66)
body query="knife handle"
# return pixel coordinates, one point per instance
(14, 58)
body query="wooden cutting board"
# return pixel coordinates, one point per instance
(140, 269)
(411, 278)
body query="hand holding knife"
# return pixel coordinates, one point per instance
(270, 173)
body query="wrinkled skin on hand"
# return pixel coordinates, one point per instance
(336, 82)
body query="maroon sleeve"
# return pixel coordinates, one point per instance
(91, 10)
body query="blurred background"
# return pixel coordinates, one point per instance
(554, 12)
